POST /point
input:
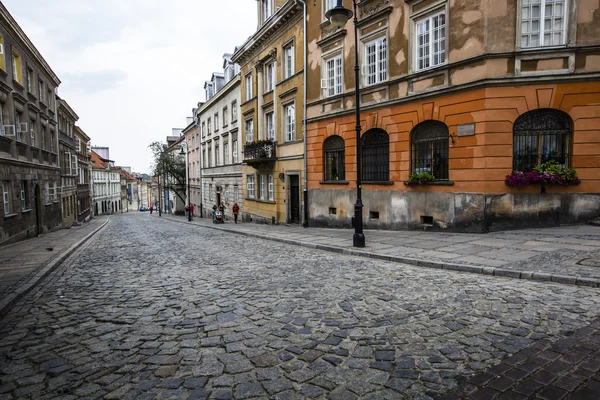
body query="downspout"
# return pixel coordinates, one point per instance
(305, 192)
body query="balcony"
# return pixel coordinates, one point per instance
(260, 155)
(69, 141)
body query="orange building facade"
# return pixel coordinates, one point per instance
(455, 97)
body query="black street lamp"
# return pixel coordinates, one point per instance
(187, 176)
(339, 16)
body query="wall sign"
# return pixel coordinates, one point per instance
(466, 130)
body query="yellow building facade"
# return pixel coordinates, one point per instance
(272, 102)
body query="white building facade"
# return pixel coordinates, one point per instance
(219, 144)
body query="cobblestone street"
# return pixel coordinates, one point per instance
(150, 308)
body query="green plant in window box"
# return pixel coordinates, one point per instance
(420, 178)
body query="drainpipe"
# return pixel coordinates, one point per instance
(305, 192)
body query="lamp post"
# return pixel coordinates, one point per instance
(338, 16)
(186, 152)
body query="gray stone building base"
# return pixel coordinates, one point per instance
(458, 212)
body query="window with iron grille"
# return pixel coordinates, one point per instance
(540, 136)
(543, 23)
(375, 147)
(334, 154)
(429, 144)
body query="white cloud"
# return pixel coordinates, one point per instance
(132, 70)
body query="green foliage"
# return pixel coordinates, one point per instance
(168, 163)
(420, 178)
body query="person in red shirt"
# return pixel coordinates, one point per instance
(236, 211)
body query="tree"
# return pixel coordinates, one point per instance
(168, 163)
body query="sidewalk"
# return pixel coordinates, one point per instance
(567, 254)
(24, 263)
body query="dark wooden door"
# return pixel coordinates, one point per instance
(294, 199)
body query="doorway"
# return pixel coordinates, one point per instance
(294, 199)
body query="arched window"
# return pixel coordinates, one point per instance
(334, 154)
(375, 147)
(429, 144)
(540, 136)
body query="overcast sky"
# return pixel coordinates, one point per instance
(133, 69)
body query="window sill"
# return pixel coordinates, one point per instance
(288, 143)
(342, 182)
(26, 211)
(434, 183)
(11, 215)
(389, 183)
(261, 201)
(18, 84)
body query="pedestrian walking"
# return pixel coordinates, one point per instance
(151, 208)
(192, 209)
(222, 210)
(187, 210)
(236, 211)
(214, 213)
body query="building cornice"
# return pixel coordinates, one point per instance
(14, 26)
(62, 104)
(289, 10)
(225, 90)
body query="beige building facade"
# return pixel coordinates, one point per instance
(271, 114)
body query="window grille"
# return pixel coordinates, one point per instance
(540, 136)
(429, 142)
(334, 149)
(375, 145)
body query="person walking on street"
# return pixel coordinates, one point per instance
(151, 209)
(222, 210)
(236, 211)
(192, 209)
(214, 213)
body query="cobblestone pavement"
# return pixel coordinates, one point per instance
(572, 251)
(154, 309)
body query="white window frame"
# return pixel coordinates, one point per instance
(327, 5)
(216, 121)
(249, 130)
(271, 187)
(270, 77)
(233, 111)
(270, 122)
(261, 187)
(234, 151)
(6, 197)
(209, 127)
(521, 21)
(430, 43)
(236, 193)
(288, 60)
(248, 86)
(250, 186)
(377, 71)
(333, 74)
(267, 9)
(289, 117)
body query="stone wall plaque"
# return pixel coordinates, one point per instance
(466, 130)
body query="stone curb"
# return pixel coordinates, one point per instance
(7, 302)
(502, 272)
